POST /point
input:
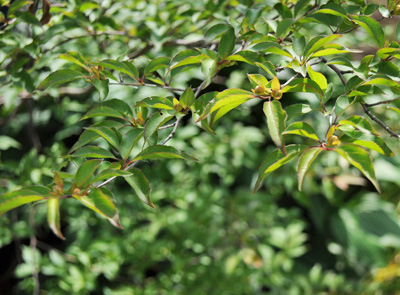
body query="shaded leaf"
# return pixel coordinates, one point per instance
(305, 161)
(373, 28)
(155, 121)
(108, 134)
(297, 110)
(157, 64)
(157, 102)
(141, 186)
(227, 43)
(303, 129)
(93, 152)
(276, 120)
(360, 159)
(85, 172)
(360, 123)
(276, 160)
(129, 141)
(162, 152)
(21, 197)
(60, 77)
(53, 216)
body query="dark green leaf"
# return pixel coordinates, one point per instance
(60, 77)
(305, 161)
(85, 173)
(155, 121)
(187, 98)
(108, 134)
(157, 64)
(276, 120)
(162, 152)
(360, 159)
(129, 141)
(93, 152)
(141, 185)
(373, 28)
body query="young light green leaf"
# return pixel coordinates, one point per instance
(328, 51)
(303, 129)
(360, 159)
(155, 121)
(360, 123)
(303, 85)
(305, 160)
(382, 82)
(21, 197)
(108, 134)
(276, 160)
(100, 201)
(141, 185)
(60, 77)
(76, 58)
(258, 80)
(368, 141)
(85, 173)
(227, 44)
(318, 78)
(373, 28)
(276, 120)
(162, 152)
(317, 43)
(231, 96)
(93, 152)
(129, 141)
(53, 216)
(191, 60)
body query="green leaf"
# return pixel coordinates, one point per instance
(76, 58)
(360, 159)
(129, 141)
(21, 197)
(125, 67)
(215, 31)
(303, 129)
(191, 60)
(187, 98)
(108, 134)
(157, 102)
(298, 45)
(227, 44)
(373, 28)
(102, 111)
(318, 78)
(100, 201)
(305, 160)
(93, 152)
(157, 64)
(368, 141)
(276, 160)
(382, 82)
(246, 56)
(109, 173)
(317, 43)
(332, 12)
(155, 121)
(303, 85)
(258, 79)
(141, 185)
(268, 67)
(162, 152)
(7, 142)
(231, 96)
(53, 216)
(284, 27)
(85, 173)
(276, 120)
(328, 51)
(297, 109)
(102, 87)
(209, 69)
(360, 123)
(86, 137)
(60, 77)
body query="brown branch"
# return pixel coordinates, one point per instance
(381, 102)
(364, 105)
(377, 120)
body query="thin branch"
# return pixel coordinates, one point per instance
(148, 85)
(377, 120)
(172, 132)
(365, 106)
(381, 102)
(167, 126)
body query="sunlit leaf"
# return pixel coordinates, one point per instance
(53, 216)
(276, 120)
(305, 161)
(162, 152)
(303, 129)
